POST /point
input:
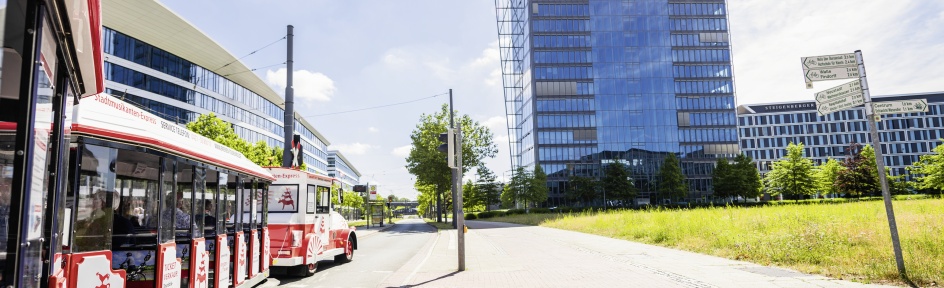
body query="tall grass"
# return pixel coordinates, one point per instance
(846, 241)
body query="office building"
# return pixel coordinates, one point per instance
(766, 129)
(592, 82)
(339, 167)
(159, 61)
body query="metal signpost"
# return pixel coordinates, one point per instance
(834, 67)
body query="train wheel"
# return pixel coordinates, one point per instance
(305, 270)
(348, 253)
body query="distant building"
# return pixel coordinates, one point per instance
(339, 167)
(592, 82)
(159, 61)
(765, 130)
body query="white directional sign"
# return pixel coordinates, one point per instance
(901, 106)
(842, 91)
(839, 104)
(828, 74)
(828, 61)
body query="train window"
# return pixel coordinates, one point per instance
(283, 198)
(248, 207)
(6, 180)
(135, 221)
(310, 205)
(262, 189)
(229, 202)
(167, 192)
(208, 218)
(95, 199)
(184, 210)
(199, 192)
(324, 199)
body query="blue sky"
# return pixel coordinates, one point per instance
(357, 54)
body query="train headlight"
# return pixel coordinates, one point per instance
(296, 238)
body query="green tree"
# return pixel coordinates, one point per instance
(748, 184)
(210, 126)
(617, 182)
(723, 179)
(537, 188)
(792, 175)
(470, 197)
(583, 189)
(929, 170)
(859, 177)
(429, 165)
(516, 190)
(827, 176)
(672, 183)
(489, 190)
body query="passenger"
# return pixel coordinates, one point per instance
(181, 217)
(208, 219)
(122, 227)
(94, 231)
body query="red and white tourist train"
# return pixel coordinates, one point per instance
(303, 226)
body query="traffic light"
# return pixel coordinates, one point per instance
(449, 140)
(340, 195)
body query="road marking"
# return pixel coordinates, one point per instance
(428, 253)
(453, 242)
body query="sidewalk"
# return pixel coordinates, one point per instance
(508, 255)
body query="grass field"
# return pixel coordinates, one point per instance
(848, 241)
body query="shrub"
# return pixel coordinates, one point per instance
(514, 211)
(470, 216)
(490, 214)
(540, 210)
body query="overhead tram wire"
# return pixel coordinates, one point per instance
(377, 107)
(254, 69)
(250, 53)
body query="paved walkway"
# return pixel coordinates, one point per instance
(508, 255)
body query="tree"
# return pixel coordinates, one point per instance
(860, 176)
(489, 191)
(722, 179)
(827, 176)
(583, 189)
(672, 184)
(429, 165)
(748, 184)
(616, 181)
(210, 126)
(517, 188)
(470, 197)
(929, 170)
(793, 174)
(537, 188)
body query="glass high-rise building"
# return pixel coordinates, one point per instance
(593, 82)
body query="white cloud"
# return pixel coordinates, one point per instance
(308, 85)
(402, 151)
(372, 129)
(353, 148)
(496, 123)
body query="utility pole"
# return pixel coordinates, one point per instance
(288, 121)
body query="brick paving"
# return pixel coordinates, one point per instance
(508, 255)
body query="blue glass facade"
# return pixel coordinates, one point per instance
(766, 130)
(340, 168)
(165, 84)
(594, 82)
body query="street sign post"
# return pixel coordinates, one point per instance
(835, 67)
(903, 106)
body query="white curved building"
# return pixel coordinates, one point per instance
(158, 60)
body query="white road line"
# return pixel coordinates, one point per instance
(453, 241)
(428, 253)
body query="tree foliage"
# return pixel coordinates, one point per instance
(860, 176)
(929, 170)
(582, 189)
(488, 189)
(210, 126)
(516, 190)
(617, 182)
(672, 183)
(471, 197)
(722, 179)
(792, 175)
(429, 165)
(827, 176)
(537, 190)
(749, 184)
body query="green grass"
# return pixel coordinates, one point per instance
(438, 225)
(848, 241)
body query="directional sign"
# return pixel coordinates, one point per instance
(842, 91)
(831, 74)
(828, 61)
(839, 104)
(901, 106)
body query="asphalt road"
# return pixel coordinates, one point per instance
(377, 256)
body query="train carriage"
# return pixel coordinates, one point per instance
(303, 225)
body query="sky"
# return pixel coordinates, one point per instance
(351, 55)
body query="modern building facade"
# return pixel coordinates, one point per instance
(765, 130)
(592, 82)
(159, 61)
(342, 169)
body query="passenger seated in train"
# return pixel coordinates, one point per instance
(122, 227)
(181, 217)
